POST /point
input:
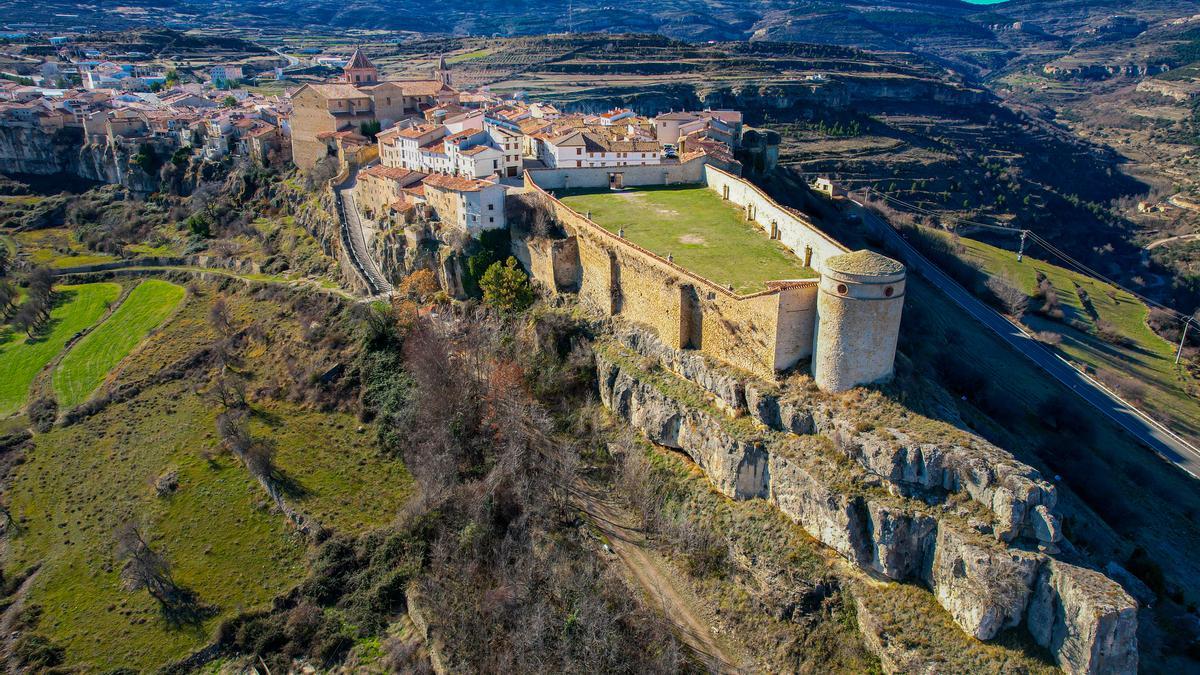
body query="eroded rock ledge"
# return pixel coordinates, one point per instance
(963, 519)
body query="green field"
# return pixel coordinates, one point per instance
(78, 307)
(223, 536)
(704, 233)
(57, 247)
(1167, 391)
(82, 482)
(90, 360)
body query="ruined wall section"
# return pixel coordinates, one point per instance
(777, 222)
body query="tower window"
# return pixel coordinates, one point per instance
(841, 288)
(887, 292)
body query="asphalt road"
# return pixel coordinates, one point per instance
(1158, 438)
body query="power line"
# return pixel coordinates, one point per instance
(1050, 248)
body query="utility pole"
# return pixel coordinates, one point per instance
(1179, 352)
(1021, 253)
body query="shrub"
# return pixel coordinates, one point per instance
(36, 652)
(1003, 293)
(42, 413)
(506, 287)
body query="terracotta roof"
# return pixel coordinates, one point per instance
(421, 87)
(338, 90)
(677, 116)
(395, 173)
(417, 131)
(465, 133)
(261, 129)
(476, 150)
(359, 60)
(456, 184)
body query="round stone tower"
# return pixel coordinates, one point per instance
(859, 302)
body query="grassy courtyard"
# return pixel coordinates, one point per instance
(704, 233)
(90, 360)
(76, 308)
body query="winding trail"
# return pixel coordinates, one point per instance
(1170, 240)
(649, 571)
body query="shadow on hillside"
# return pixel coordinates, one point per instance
(182, 608)
(289, 486)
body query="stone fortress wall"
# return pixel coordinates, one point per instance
(762, 333)
(790, 228)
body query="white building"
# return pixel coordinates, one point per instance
(466, 204)
(223, 75)
(583, 149)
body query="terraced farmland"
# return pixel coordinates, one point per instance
(90, 360)
(21, 358)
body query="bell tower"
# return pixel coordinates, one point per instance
(359, 70)
(443, 71)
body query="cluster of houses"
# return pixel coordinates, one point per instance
(425, 142)
(420, 145)
(213, 123)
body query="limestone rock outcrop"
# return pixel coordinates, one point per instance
(885, 509)
(1012, 491)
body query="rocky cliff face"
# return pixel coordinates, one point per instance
(29, 150)
(316, 215)
(959, 520)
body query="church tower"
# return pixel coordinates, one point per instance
(359, 70)
(443, 72)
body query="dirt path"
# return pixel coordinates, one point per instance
(649, 571)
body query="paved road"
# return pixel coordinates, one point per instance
(1168, 240)
(355, 241)
(1164, 442)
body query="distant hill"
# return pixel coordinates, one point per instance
(972, 38)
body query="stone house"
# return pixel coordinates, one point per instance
(466, 204)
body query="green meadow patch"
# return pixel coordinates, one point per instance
(217, 529)
(90, 360)
(77, 308)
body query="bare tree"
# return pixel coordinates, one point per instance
(220, 318)
(1010, 298)
(257, 454)
(230, 389)
(144, 567)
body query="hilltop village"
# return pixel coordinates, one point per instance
(722, 323)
